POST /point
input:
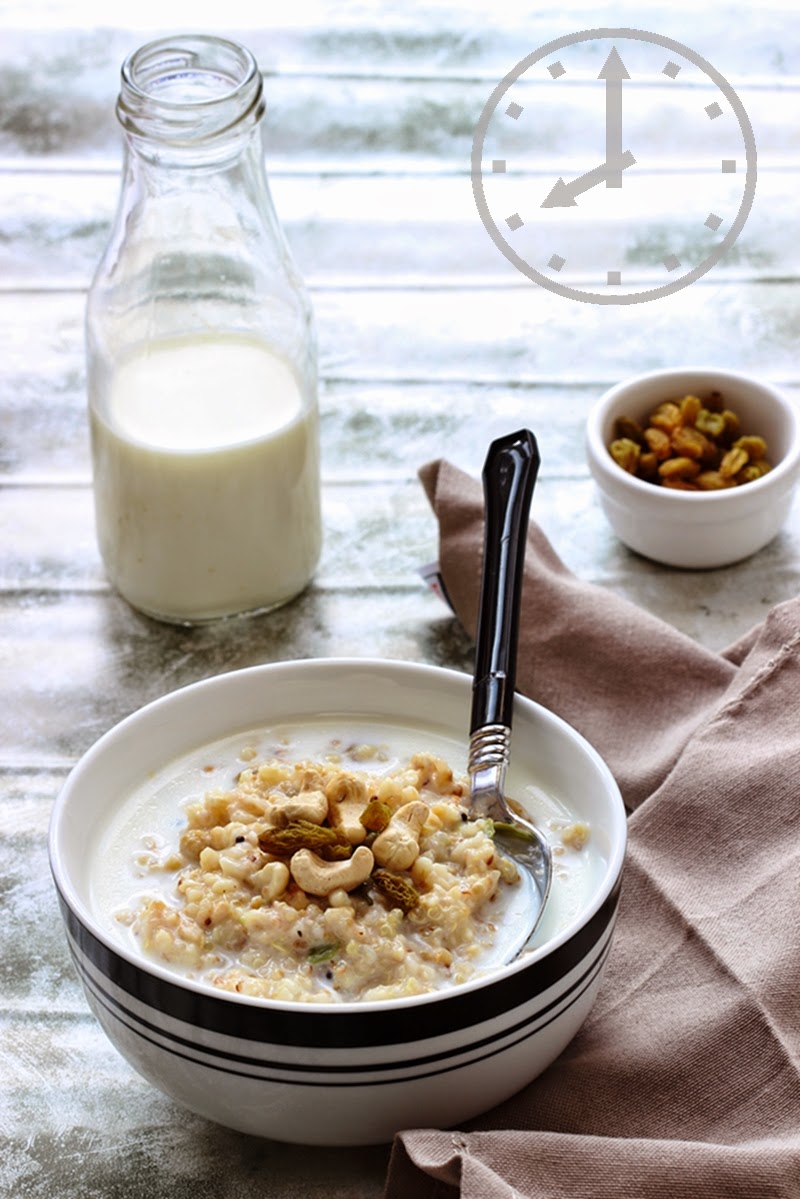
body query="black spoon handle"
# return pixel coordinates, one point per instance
(509, 476)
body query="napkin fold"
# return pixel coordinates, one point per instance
(685, 1079)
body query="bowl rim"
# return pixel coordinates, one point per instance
(82, 913)
(604, 468)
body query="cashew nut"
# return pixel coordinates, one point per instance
(308, 805)
(397, 847)
(318, 877)
(347, 798)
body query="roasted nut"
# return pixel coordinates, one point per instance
(308, 805)
(397, 847)
(347, 798)
(317, 877)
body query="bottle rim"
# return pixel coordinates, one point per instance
(190, 88)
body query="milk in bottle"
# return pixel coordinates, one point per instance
(206, 507)
(201, 355)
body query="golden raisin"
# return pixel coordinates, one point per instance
(710, 423)
(675, 483)
(398, 891)
(732, 463)
(648, 467)
(301, 834)
(690, 444)
(679, 468)
(690, 406)
(753, 471)
(667, 417)
(731, 427)
(754, 447)
(625, 453)
(629, 430)
(376, 815)
(658, 442)
(712, 480)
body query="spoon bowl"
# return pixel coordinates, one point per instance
(509, 476)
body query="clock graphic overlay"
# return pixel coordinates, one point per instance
(657, 179)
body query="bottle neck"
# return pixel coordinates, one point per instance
(196, 244)
(191, 101)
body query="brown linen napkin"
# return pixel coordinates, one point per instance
(685, 1079)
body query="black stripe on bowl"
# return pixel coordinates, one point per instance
(411, 1069)
(331, 1026)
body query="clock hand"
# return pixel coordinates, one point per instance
(614, 72)
(562, 195)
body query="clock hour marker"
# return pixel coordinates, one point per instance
(671, 262)
(556, 70)
(614, 278)
(729, 166)
(514, 111)
(671, 69)
(514, 221)
(499, 166)
(556, 262)
(713, 111)
(713, 221)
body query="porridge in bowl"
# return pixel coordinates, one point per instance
(321, 864)
(333, 1071)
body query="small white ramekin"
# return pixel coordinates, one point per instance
(706, 529)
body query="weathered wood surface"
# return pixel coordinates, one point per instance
(430, 344)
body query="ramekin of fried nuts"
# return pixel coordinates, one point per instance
(669, 451)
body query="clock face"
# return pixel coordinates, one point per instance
(614, 166)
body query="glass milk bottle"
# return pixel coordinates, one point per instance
(201, 355)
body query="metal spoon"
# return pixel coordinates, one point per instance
(509, 475)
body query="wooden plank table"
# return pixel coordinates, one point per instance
(431, 343)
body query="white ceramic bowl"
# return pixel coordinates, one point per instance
(350, 1073)
(696, 529)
